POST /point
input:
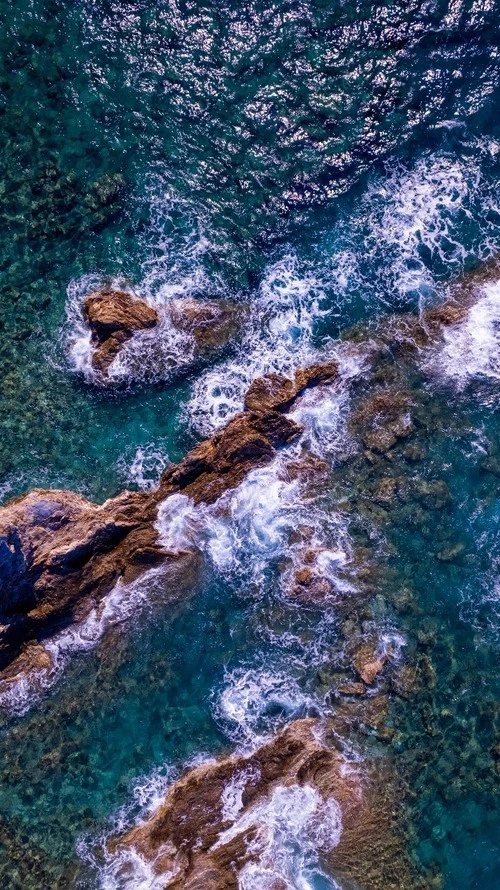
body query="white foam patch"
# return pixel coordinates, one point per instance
(253, 525)
(416, 208)
(472, 349)
(413, 226)
(146, 466)
(232, 796)
(127, 870)
(295, 826)
(75, 335)
(255, 703)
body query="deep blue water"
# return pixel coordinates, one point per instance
(326, 163)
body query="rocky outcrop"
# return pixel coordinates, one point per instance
(196, 841)
(59, 552)
(274, 392)
(57, 549)
(114, 317)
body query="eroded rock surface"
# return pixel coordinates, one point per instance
(211, 323)
(196, 842)
(114, 317)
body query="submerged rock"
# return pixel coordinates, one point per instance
(220, 823)
(211, 323)
(113, 317)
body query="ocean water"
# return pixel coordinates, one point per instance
(326, 164)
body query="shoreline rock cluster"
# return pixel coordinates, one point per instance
(59, 553)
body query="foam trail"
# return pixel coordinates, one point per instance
(278, 338)
(294, 826)
(255, 703)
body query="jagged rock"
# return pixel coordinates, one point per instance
(59, 552)
(57, 549)
(368, 663)
(446, 315)
(351, 688)
(274, 392)
(113, 317)
(193, 842)
(220, 463)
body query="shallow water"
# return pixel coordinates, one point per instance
(325, 163)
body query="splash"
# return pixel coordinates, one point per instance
(146, 466)
(295, 826)
(472, 349)
(278, 338)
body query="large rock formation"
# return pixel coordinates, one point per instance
(223, 817)
(59, 552)
(114, 317)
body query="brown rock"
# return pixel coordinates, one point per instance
(380, 440)
(114, 317)
(274, 392)
(351, 688)
(367, 663)
(446, 315)
(270, 393)
(192, 837)
(59, 552)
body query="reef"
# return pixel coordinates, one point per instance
(195, 841)
(60, 554)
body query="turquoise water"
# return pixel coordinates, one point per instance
(325, 163)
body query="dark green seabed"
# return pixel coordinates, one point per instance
(330, 164)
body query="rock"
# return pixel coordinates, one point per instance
(274, 392)
(446, 315)
(270, 393)
(382, 420)
(379, 440)
(33, 659)
(433, 495)
(405, 681)
(57, 549)
(351, 688)
(367, 663)
(449, 554)
(220, 463)
(59, 552)
(195, 842)
(114, 317)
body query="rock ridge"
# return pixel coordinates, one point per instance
(60, 553)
